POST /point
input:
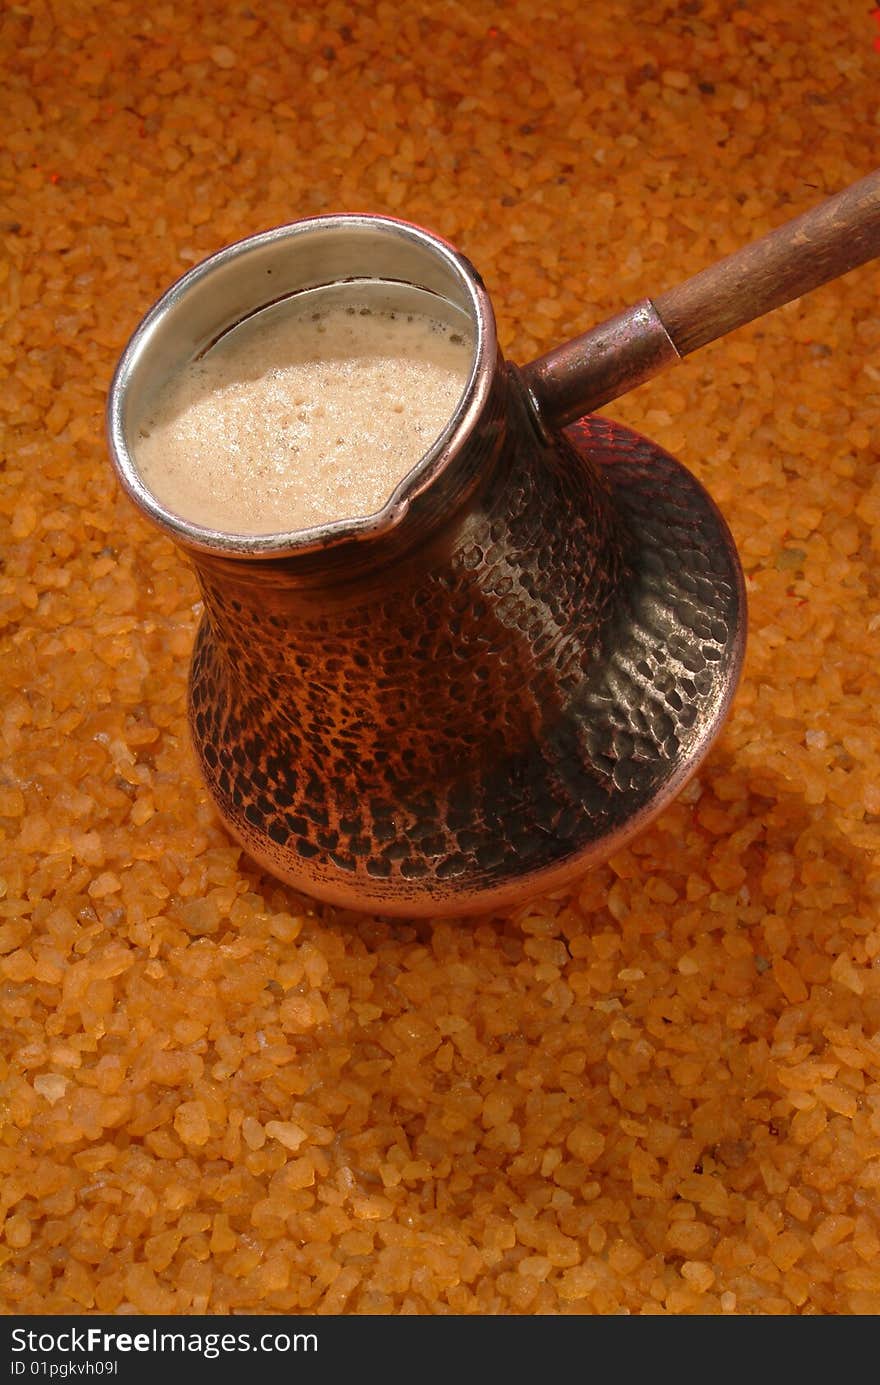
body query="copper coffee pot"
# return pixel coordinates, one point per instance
(500, 677)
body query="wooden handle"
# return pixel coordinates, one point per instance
(824, 243)
(583, 374)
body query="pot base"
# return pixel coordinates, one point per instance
(649, 707)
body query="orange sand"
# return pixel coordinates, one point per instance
(659, 1093)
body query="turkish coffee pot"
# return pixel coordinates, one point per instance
(495, 681)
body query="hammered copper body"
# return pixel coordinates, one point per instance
(497, 680)
(495, 708)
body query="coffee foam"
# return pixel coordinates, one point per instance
(303, 415)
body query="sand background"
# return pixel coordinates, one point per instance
(658, 1092)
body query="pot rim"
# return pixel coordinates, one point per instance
(135, 377)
